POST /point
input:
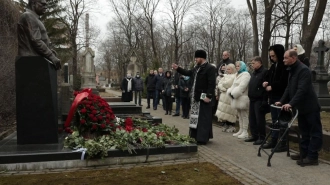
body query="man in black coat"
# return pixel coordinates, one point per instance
(225, 61)
(275, 84)
(203, 80)
(150, 83)
(300, 94)
(258, 102)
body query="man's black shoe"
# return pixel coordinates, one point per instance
(308, 162)
(251, 139)
(176, 114)
(148, 107)
(268, 145)
(201, 143)
(258, 142)
(166, 113)
(295, 157)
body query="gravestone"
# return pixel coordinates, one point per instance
(66, 73)
(321, 77)
(88, 72)
(36, 101)
(65, 95)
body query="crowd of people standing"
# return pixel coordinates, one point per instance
(234, 95)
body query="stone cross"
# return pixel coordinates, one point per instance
(321, 49)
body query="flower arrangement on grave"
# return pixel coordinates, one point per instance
(94, 117)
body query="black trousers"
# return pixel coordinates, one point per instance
(168, 103)
(185, 106)
(150, 94)
(257, 120)
(310, 128)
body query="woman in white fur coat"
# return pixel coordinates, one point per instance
(240, 100)
(225, 112)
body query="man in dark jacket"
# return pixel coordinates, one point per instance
(127, 86)
(300, 94)
(159, 82)
(275, 84)
(258, 102)
(151, 87)
(203, 84)
(225, 61)
(138, 88)
(177, 78)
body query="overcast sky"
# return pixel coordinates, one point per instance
(102, 15)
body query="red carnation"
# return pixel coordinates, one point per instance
(94, 119)
(92, 107)
(108, 115)
(100, 117)
(102, 126)
(107, 121)
(144, 130)
(94, 127)
(82, 121)
(94, 112)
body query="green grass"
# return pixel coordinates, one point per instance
(180, 174)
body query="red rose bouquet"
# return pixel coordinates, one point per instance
(93, 114)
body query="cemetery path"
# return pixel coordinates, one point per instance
(240, 158)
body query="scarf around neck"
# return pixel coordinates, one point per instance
(129, 84)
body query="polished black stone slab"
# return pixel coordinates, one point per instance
(125, 108)
(36, 101)
(10, 152)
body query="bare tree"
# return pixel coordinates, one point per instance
(286, 13)
(178, 12)
(310, 28)
(253, 9)
(74, 11)
(267, 33)
(126, 22)
(149, 9)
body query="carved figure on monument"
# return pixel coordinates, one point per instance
(32, 35)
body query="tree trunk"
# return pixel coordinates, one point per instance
(310, 30)
(253, 13)
(267, 32)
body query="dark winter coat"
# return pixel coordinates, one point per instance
(127, 96)
(150, 82)
(182, 85)
(177, 79)
(300, 93)
(223, 62)
(138, 84)
(302, 58)
(159, 81)
(167, 85)
(256, 90)
(277, 76)
(205, 81)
